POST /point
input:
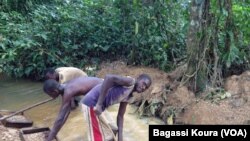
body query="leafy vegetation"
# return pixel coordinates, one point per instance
(36, 34)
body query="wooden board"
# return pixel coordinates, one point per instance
(35, 134)
(17, 121)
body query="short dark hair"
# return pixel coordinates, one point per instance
(50, 85)
(145, 76)
(48, 71)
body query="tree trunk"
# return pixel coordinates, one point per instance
(228, 24)
(197, 44)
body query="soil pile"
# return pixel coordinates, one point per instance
(175, 104)
(233, 109)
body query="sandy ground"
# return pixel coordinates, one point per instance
(9, 134)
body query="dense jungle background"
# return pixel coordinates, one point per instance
(195, 49)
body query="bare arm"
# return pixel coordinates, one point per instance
(110, 81)
(61, 118)
(120, 119)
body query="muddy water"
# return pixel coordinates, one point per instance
(17, 94)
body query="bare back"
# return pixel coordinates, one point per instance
(72, 88)
(80, 86)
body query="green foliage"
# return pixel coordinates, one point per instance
(242, 14)
(239, 37)
(76, 33)
(158, 32)
(36, 34)
(21, 6)
(233, 33)
(216, 95)
(57, 35)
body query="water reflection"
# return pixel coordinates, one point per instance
(17, 94)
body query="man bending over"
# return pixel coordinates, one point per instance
(68, 90)
(114, 89)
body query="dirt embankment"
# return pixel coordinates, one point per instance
(177, 105)
(231, 106)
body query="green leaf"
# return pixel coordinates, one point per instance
(105, 48)
(224, 12)
(28, 70)
(222, 96)
(228, 94)
(136, 27)
(2, 46)
(170, 120)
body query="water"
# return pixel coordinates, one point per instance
(18, 94)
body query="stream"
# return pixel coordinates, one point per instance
(18, 94)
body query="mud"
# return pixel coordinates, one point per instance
(167, 99)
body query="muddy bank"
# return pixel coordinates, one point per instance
(175, 104)
(228, 105)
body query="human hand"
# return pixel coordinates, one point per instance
(98, 110)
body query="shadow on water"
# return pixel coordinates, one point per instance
(18, 94)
